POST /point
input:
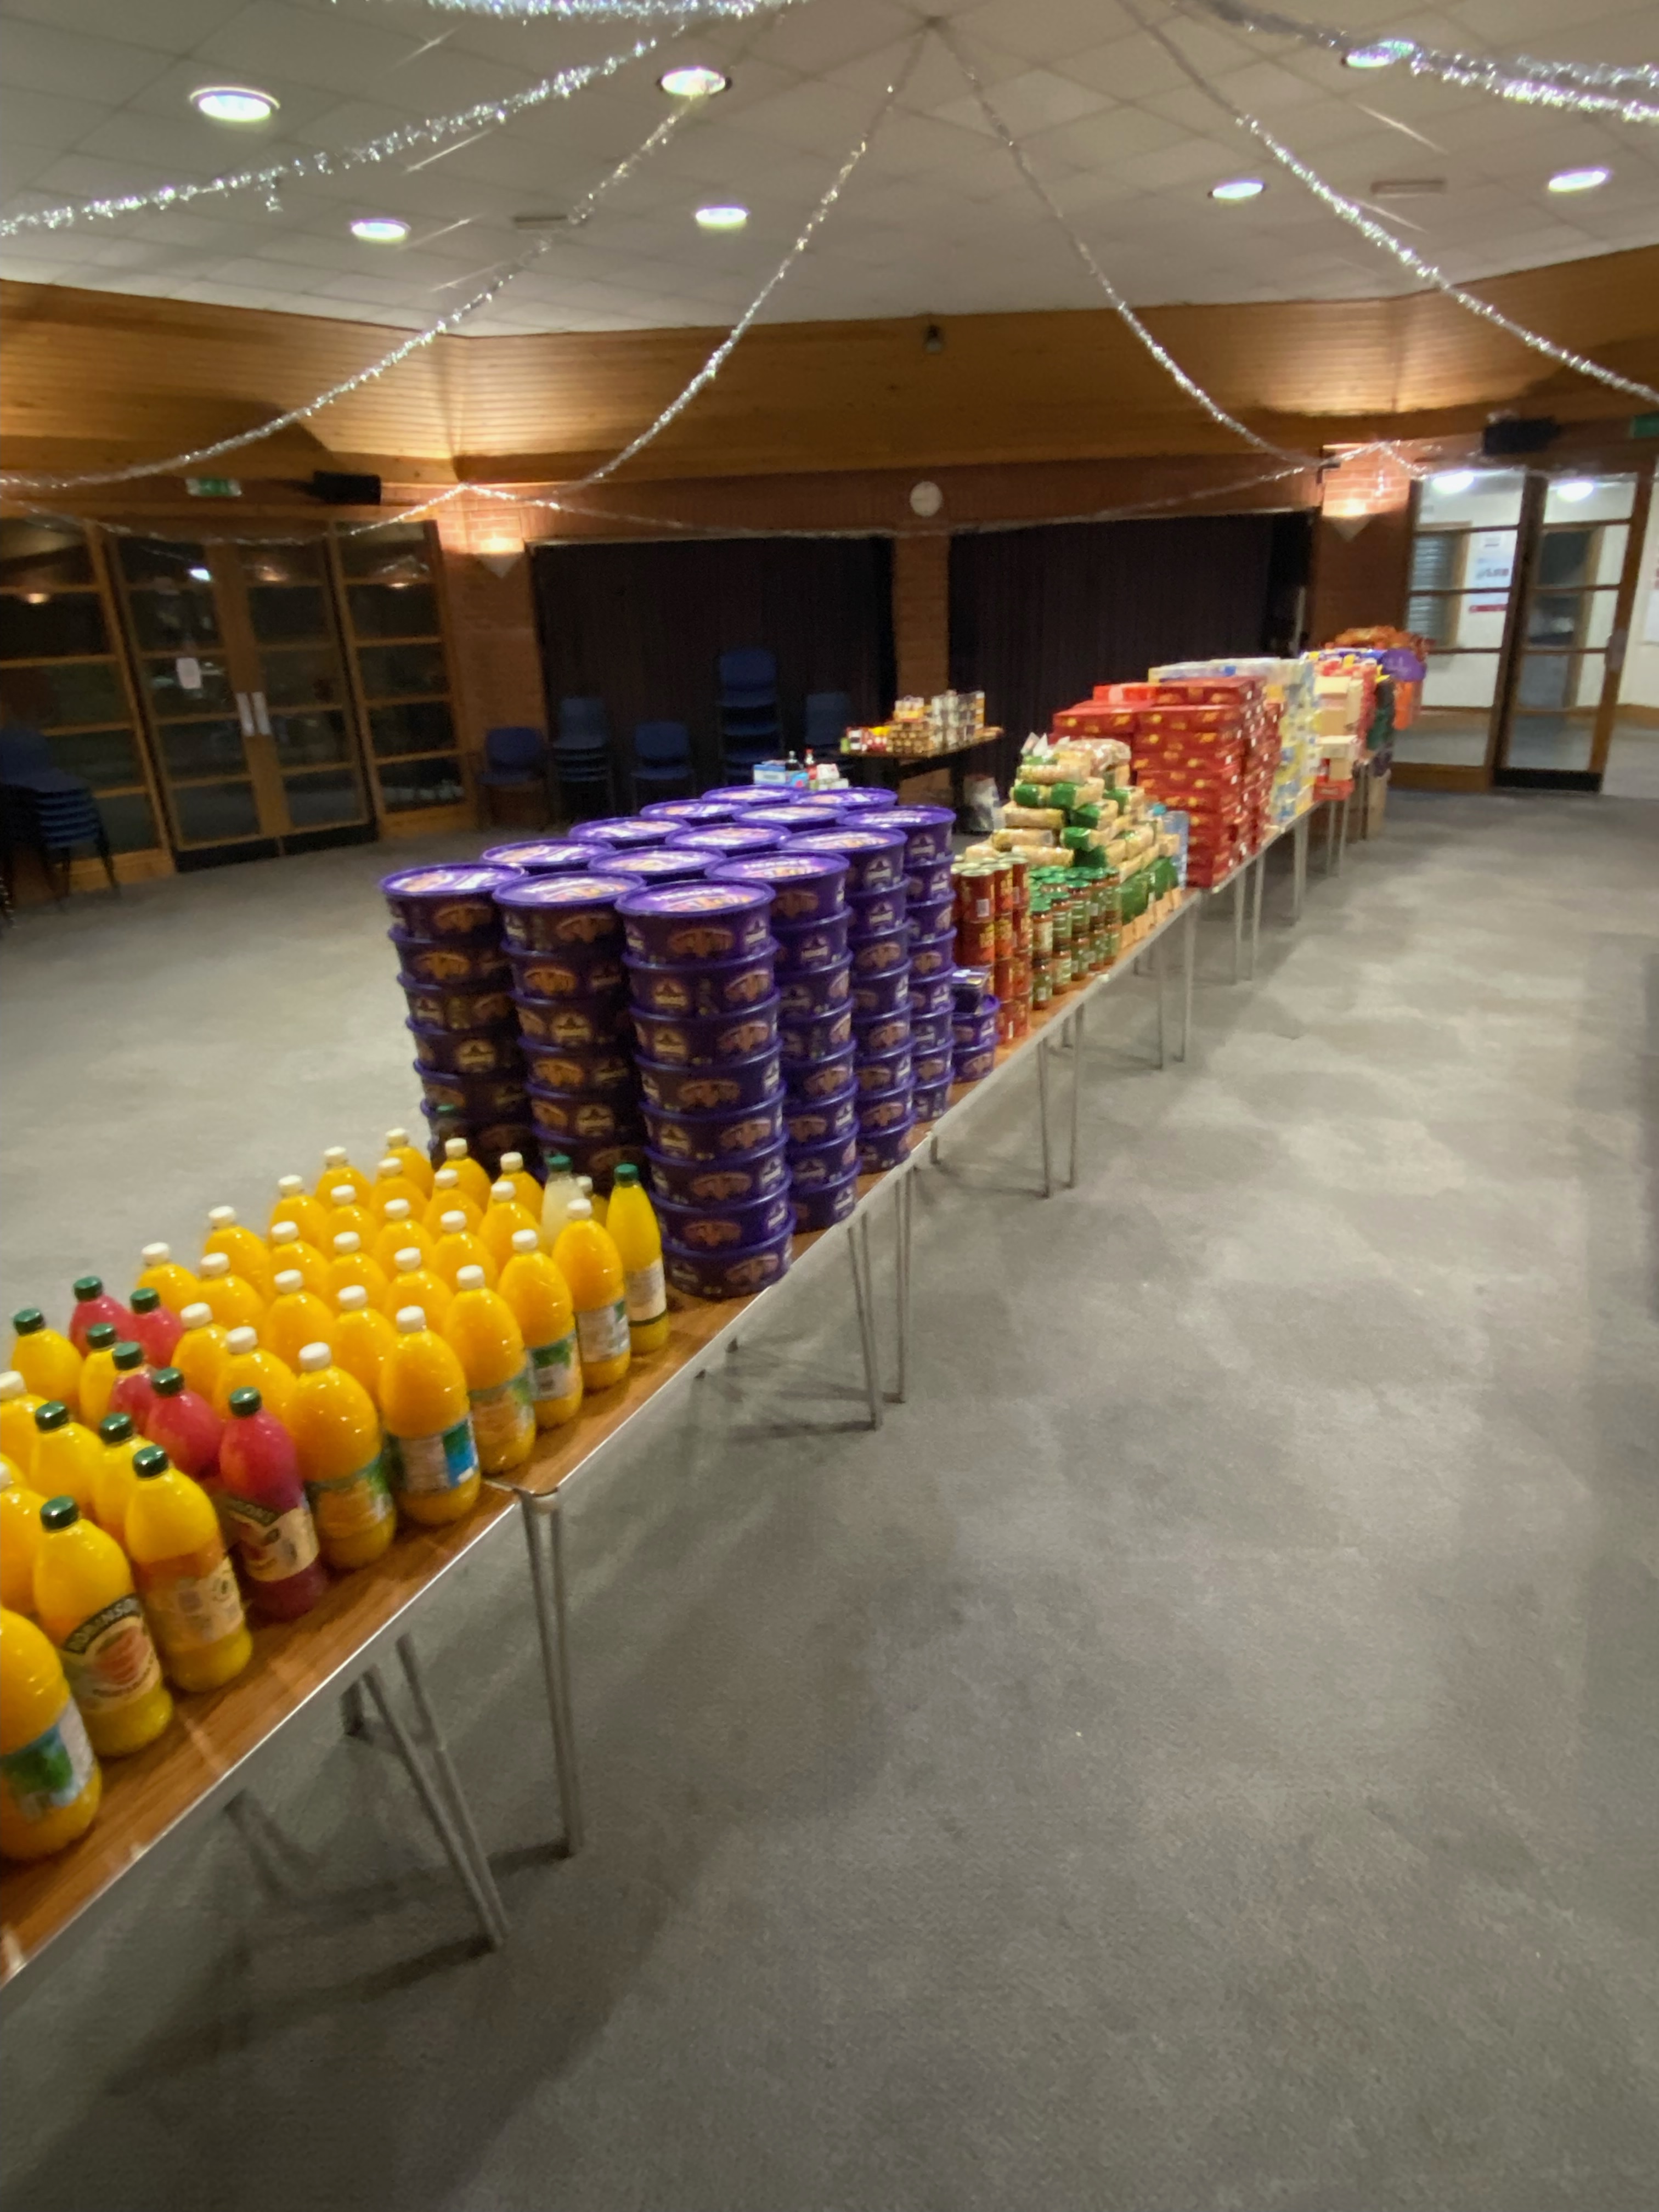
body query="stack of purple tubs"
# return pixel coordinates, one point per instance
(700, 963)
(458, 982)
(879, 946)
(931, 922)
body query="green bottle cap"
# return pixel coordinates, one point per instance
(28, 1319)
(150, 1461)
(100, 1337)
(54, 1414)
(626, 1174)
(115, 1428)
(146, 1299)
(88, 1286)
(59, 1513)
(245, 1401)
(167, 1381)
(555, 1162)
(127, 1356)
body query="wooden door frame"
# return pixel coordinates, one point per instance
(1624, 613)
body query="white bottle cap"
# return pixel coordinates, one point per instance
(452, 1224)
(397, 1210)
(504, 1190)
(156, 1256)
(348, 1241)
(223, 1217)
(389, 1168)
(525, 1240)
(352, 1298)
(288, 1282)
(469, 1279)
(212, 1265)
(584, 1185)
(397, 1137)
(580, 1209)
(285, 1232)
(406, 1262)
(290, 1186)
(446, 1179)
(313, 1357)
(344, 1194)
(12, 1385)
(512, 1164)
(197, 1316)
(409, 1318)
(334, 1156)
(242, 1339)
(454, 1148)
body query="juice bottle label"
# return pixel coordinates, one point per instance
(190, 1611)
(602, 1332)
(554, 1370)
(421, 1465)
(43, 1777)
(109, 1659)
(273, 1545)
(344, 1505)
(645, 1294)
(504, 1419)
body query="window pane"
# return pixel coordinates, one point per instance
(39, 556)
(279, 611)
(394, 610)
(393, 671)
(1564, 556)
(208, 691)
(1434, 618)
(316, 802)
(1447, 737)
(303, 740)
(1485, 497)
(203, 748)
(418, 726)
(174, 620)
(71, 623)
(214, 813)
(303, 675)
(1589, 498)
(1435, 560)
(108, 759)
(402, 551)
(75, 691)
(282, 564)
(405, 785)
(1461, 679)
(129, 823)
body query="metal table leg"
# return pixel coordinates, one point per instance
(1159, 967)
(431, 1740)
(1188, 963)
(1077, 1088)
(1299, 866)
(1255, 909)
(1238, 919)
(547, 1581)
(1342, 830)
(480, 1884)
(858, 1251)
(1042, 1114)
(902, 1203)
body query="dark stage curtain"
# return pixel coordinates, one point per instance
(639, 625)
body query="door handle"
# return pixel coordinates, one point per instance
(245, 713)
(261, 716)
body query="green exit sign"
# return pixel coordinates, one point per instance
(212, 487)
(1645, 426)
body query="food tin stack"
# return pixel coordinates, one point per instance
(931, 919)
(564, 942)
(458, 983)
(700, 963)
(809, 921)
(622, 833)
(974, 1024)
(879, 942)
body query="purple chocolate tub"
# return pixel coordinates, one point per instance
(480, 1098)
(718, 1228)
(581, 1022)
(541, 856)
(467, 1052)
(425, 961)
(871, 797)
(705, 1039)
(969, 988)
(932, 997)
(974, 1032)
(926, 831)
(574, 914)
(880, 1150)
(655, 864)
(811, 1166)
(446, 902)
(720, 1183)
(873, 1034)
(930, 917)
(592, 1071)
(875, 914)
(701, 922)
(881, 994)
(929, 881)
(576, 971)
(931, 958)
(789, 816)
(599, 1160)
(881, 956)
(435, 1008)
(720, 1090)
(825, 1078)
(688, 813)
(815, 991)
(931, 1099)
(805, 886)
(933, 1068)
(809, 1122)
(882, 1071)
(973, 1066)
(824, 1208)
(716, 1136)
(931, 1032)
(741, 795)
(732, 1274)
(875, 858)
(718, 987)
(628, 833)
(807, 1043)
(588, 1120)
(731, 839)
(807, 944)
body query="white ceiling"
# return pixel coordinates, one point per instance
(94, 99)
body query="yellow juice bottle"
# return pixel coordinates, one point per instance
(85, 1602)
(98, 1372)
(351, 1264)
(18, 1406)
(185, 1574)
(430, 1440)
(337, 1168)
(19, 1537)
(415, 1285)
(525, 1187)
(295, 1203)
(50, 1779)
(230, 1297)
(245, 1250)
(249, 1366)
(200, 1351)
(448, 1197)
(346, 1211)
(475, 1183)
(502, 1222)
(67, 1457)
(111, 1486)
(362, 1338)
(540, 1300)
(336, 1433)
(458, 1247)
(298, 1317)
(400, 1232)
(172, 1283)
(290, 1255)
(592, 1267)
(413, 1162)
(48, 1363)
(483, 1334)
(390, 1182)
(632, 1224)
(596, 1199)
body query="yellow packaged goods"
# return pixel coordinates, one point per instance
(1034, 817)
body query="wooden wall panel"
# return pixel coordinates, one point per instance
(922, 615)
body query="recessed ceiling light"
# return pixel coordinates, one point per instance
(724, 217)
(1451, 482)
(1239, 188)
(201, 575)
(235, 103)
(694, 81)
(380, 229)
(1575, 489)
(1578, 180)
(1384, 54)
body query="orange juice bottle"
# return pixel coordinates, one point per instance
(48, 1363)
(475, 1183)
(85, 1602)
(448, 1197)
(184, 1575)
(49, 1781)
(346, 1211)
(67, 1457)
(415, 1285)
(430, 1440)
(174, 1284)
(527, 1190)
(458, 1248)
(351, 1264)
(291, 1254)
(200, 1351)
(298, 1317)
(111, 1486)
(631, 1223)
(295, 1203)
(503, 1221)
(20, 1538)
(336, 1434)
(413, 1162)
(18, 1406)
(337, 1168)
(362, 1338)
(483, 1334)
(98, 1372)
(231, 1299)
(400, 1232)
(246, 1250)
(596, 1199)
(540, 1300)
(592, 1267)
(390, 1182)
(248, 1367)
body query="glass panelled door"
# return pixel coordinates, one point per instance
(298, 693)
(1464, 558)
(1564, 622)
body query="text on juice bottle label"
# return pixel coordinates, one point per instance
(503, 1417)
(602, 1332)
(273, 1545)
(351, 1504)
(422, 1465)
(190, 1611)
(43, 1777)
(109, 1659)
(645, 1293)
(554, 1370)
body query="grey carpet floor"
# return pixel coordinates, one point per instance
(1204, 1751)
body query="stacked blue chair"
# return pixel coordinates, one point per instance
(662, 760)
(43, 805)
(750, 729)
(515, 759)
(582, 756)
(828, 715)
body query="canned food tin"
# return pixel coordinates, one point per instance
(816, 991)
(976, 892)
(976, 943)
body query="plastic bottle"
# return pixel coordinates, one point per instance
(134, 1392)
(351, 1264)
(632, 1224)
(528, 1190)
(458, 1248)
(503, 1221)
(246, 1251)
(48, 1363)
(596, 1199)
(85, 1602)
(18, 1406)
(391, 1183)
(50, 1779)
(291, 1254)
(263, 1499)
(475, 1183)
(251, 1367)
(93, 1304)
(592, 1267)
(399, 1232)
(173, 1280)
(201, 1350)
(19, 1537)
(556, 1193)
(231, 1299)
(337, 1168)
(483, 1334)
(67, 1457)
(184, 1575)
(362, 1338)
(448, 1197)
(298, 1317)
(183, 1422)
(540, 1300)
(97, 1372)
(430, 1440)
(346, 1211)
(415, 1285)
(154, 1326)
(336, 1433)
(413, 1162)
(111, 1486)
(295, 1203)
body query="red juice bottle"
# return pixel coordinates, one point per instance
(93, 1304)
(184, 1425)
(134, 1392)
(154, 1327)
(262, 1502)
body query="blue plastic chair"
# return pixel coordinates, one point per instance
(662, 756)
(828, 716)
(46, 806)
(515, 759)
(582, 757)
(748, 672)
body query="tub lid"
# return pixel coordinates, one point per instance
(867, 795)
(789, 865)
(656, 864)
(919, 817)
(743, 794)
(688, 810)
(539, 856)
(727, 837)
(851, 837)
(627, 833)
(707, 897)
(447, 880)
(795, 815)
(561, 890)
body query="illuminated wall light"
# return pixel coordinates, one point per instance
(1574, 488)
(201, 575)
(380, 229)
(234, 103)
(1383, 55)
(1578, 180)
(724, 217)
(1451, 481)
(694, 82)
(1362, 483)
(1239, 188)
